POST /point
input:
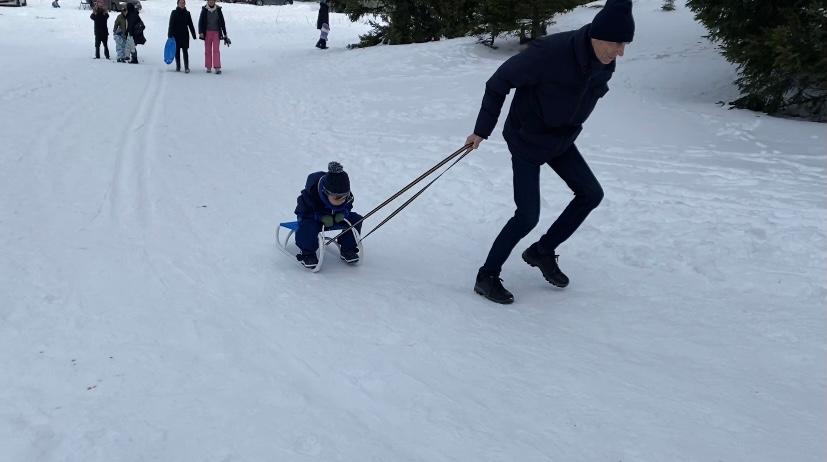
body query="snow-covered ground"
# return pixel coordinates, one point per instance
(145, 314)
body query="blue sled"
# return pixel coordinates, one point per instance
(169, 50)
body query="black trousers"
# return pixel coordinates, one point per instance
(571, 168)
(178, 50)
(105, 41)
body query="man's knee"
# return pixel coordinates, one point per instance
(527, 219)
(592, 196)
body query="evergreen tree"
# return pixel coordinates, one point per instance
(495, 17)
(412, 21)
(541, 12)
(780, 48)
(523, 17)
(415, 21)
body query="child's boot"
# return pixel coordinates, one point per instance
(308, 259)
(350, 256)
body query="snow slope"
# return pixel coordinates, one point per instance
(145, 314)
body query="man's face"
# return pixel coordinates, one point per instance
(211, 2)
(182, 3)
(607, 51)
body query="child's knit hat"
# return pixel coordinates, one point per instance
(336, 181)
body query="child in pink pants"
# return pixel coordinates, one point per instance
(212, 29)
(212, 51)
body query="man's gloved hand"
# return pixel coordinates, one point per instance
(327, 220)
(339, 217)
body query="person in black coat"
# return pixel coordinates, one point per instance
(180, 22)
(134, 30)
(558, 81)
(100, 17)
(323, 24)
(325, 203)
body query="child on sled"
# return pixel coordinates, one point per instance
(326, 203)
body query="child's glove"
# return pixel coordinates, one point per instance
(339, 217)
(327, 220)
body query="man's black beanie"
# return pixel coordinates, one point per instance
(614, 23)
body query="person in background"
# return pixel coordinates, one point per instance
(180, 28)
(212, 29)
(100, 16)
(323, 24)
(120, 36)
(134, 26)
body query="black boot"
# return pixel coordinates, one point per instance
(308, 260)
(323, 44)
(134, 58)
(350, 256)
(547, 264)
(319, 43)
(491, 287)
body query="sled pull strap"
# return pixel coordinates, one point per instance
(407, 202)
(466, 149)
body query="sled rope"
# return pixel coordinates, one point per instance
(461, 152)
(407, 202)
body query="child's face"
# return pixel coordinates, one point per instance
(337, 200)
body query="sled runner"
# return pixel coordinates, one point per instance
(287, 245)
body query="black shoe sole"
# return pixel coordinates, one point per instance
(555, 284)
(307, 265)
(501, 302)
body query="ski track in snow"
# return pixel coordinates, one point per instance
(129, 187)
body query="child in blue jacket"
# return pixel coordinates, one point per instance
(325, 203)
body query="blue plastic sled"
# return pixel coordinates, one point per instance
(169, 50)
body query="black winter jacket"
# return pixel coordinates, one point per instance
(558, 82)
(324, 15)
(202, 22)
(311, 204)
(100, 18)
(132, 19)
(180, 22)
